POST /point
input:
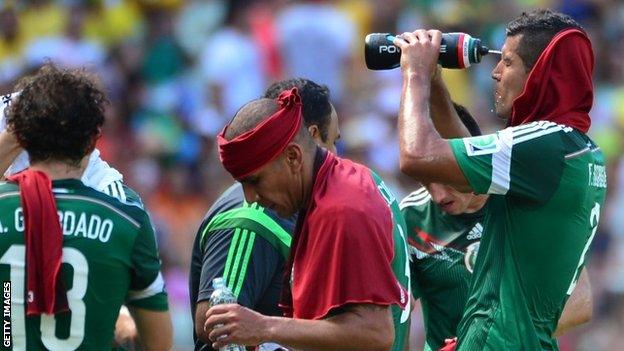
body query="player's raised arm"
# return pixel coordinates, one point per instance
(9, 149)
(424, 155)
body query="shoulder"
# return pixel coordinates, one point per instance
(133, 214)
(416, 202)
(535, 131)
(533, 134)
(122, 192)
(350, 180)
(8, 189)
(231, 198)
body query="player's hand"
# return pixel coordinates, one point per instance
(125, 329)
(419, 52)
(235, 324)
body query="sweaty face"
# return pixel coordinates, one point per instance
(450, 200)
(276, 186)
(333, 133)
(510, 76)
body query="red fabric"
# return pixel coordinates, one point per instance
(343, 247)
(559, 87)
(449, 345)
(46, 291)
(255, 148)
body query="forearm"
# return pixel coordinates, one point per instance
(9, 150)
(578, 309)
(335, 333)
(154, 328)
(443, 113)
(419, 141)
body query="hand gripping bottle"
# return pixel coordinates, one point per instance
(457, 50)
(223, 295)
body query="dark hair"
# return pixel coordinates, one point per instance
(537, 27)
(57, 115)
(315, 98)
(467, 120)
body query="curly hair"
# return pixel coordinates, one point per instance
(58, 115)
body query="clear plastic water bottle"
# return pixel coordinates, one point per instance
(223, 295)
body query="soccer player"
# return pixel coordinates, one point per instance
(545, 177)
(98, 175)
(246, 244)
(97, 253)
(347, 277)
(444, 229)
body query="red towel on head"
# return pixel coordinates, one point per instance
(46, 291)
(255, 148)
(559, 87)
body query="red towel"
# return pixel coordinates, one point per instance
(559, 87)
(449, 345)
(46, 291)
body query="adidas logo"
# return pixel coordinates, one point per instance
(475, 232)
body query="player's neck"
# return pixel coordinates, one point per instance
(60, 170)
(477, 203)
(309, 176)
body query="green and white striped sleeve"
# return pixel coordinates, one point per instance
(524, 161)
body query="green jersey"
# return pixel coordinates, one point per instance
(548, 184)
(109, 258)
(400, 265)
(443, 249)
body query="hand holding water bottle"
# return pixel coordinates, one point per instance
(232, 325)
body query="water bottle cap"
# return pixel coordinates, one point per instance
(218, 283)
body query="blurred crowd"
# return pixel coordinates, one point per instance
(176, 71)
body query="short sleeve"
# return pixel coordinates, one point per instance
(244, 259)
(525, 162)
(147, 286)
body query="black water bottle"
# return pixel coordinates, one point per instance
(457, 50)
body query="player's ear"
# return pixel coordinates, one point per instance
(293, 156)
(94, 140)
(314, 131)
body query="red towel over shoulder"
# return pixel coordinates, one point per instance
(44, 244)
(344, 247)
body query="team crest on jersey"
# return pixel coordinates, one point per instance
(482, 145)
(471, 256)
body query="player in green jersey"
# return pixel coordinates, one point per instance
(444, 230)
(98, 175)
(545, 177)
(98, 251)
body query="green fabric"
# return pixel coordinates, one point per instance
(253, 218)
(441, 278)
(538, 226)
(400, 265)
(109, 258)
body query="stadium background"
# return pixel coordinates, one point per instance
(176, 71)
